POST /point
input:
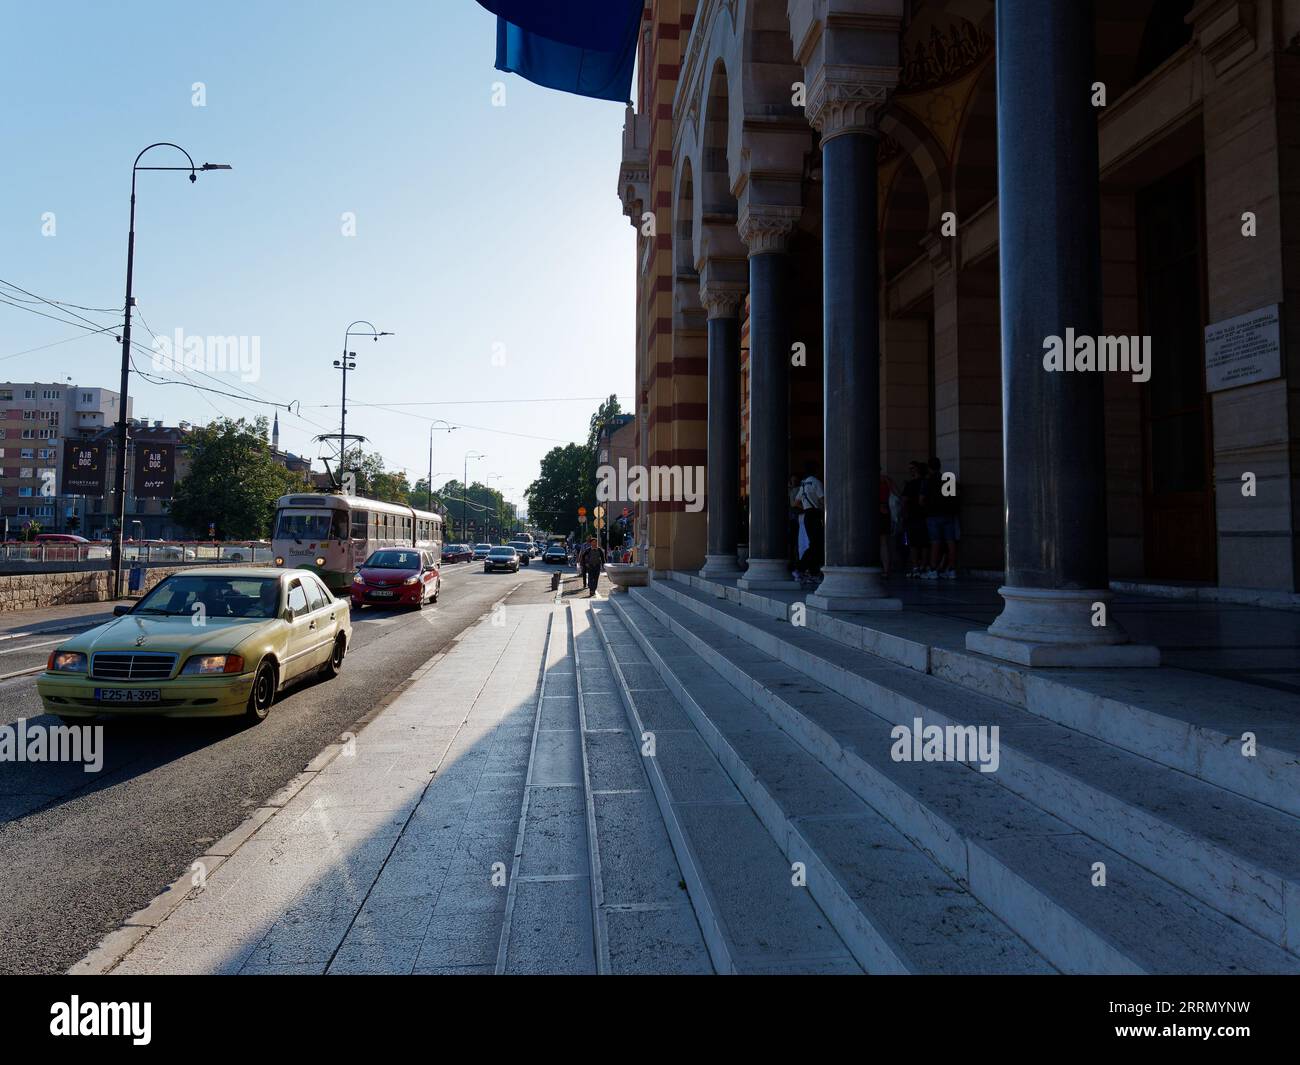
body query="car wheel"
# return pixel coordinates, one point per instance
(437, 588)
(334, 664)
(263, 693)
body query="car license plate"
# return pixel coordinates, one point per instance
(127, 695)
(382, 595)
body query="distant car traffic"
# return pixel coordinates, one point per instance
(481, 551)
(524, 549)
(397, 576)
(556, 553)
(207, 642)
(457, 553)
(506, 558)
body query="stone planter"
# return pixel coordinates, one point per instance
(625, 575)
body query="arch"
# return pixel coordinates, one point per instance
(974, 179)
(684, 221)
(926, 154)
(905, 220)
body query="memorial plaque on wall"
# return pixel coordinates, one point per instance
(155, 470)
(83, 469)
(1243, 350)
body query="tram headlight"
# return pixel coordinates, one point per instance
(320, 560)
(279, 560)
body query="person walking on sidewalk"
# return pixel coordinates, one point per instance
(591, 561)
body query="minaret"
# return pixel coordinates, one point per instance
(275, 433)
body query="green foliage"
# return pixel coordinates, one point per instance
(567, 482)
(485, 509)
(233, 481)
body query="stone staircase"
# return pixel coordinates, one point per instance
(806, 847)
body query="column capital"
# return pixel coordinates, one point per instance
(767, 229)
(722, 299)
(848, 99)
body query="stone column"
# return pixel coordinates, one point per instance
(845, 112)
(767, 233)
(723, 302)
(1053, 422)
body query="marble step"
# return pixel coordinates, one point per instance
(752, 917)
(893, 907)
(1232, 855)
(1189, 721)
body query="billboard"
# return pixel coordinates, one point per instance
(83, 468)
(155, 470)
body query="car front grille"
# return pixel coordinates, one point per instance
(131, 665)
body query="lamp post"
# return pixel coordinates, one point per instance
(345, 364)
(490, 478)
(119, 474)
(464, 493)
(428, 503)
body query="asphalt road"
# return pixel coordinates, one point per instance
(80, 852)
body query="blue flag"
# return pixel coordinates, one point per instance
(600, 25)
(600, 73)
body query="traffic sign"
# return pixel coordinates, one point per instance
(600, 512)
(582, 512)
(599, 523)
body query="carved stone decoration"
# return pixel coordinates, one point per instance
(720, 299)
(943, 57)
(843, 99)
(767, 229)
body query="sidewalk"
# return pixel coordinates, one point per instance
(55, 618)
(388, 855)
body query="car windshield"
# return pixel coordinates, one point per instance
(192, 595)
(483, 547)
(309, 524)
(503, 552)
(393, 560)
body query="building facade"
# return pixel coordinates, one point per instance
(35, 418)
(862, 224)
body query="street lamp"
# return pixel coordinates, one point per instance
(345, 364)
(120, 473)
(433, 425)
(464, 493)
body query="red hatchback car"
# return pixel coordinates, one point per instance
(397, 576)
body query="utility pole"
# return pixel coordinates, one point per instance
(345, 365)
(119, 473)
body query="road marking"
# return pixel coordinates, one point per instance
(28, 647)
(22, 673)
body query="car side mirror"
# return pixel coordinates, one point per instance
(287, 613)
(121, 609)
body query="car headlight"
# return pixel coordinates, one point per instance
(214, 664)
(66, 662)
(411, 580)
(320, 560)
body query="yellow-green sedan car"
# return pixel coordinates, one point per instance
(207, 642)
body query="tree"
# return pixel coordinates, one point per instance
(485, 509)
(567, 482)
(233, 481)
(605, 413)
(374, 481)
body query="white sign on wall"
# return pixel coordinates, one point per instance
(1243, 350)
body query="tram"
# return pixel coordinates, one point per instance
(331, 535)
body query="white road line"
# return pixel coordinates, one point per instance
(28, 647)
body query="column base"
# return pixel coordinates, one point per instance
(852, 588)
(767, 574)
(720, 567)
(1042, 627)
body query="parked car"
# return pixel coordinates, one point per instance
(524, 549)
(481, 551)
(206, 642)
(506, 558)
(457, 553)
(397, 576)
(556, 553)
(252, 551)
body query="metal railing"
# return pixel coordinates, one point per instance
(147, 552)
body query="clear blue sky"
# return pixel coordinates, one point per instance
(477, 226)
